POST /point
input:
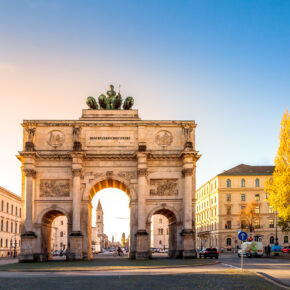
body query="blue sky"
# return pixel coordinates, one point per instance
(224, 64)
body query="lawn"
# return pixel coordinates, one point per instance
(216, 280)
(105, 264)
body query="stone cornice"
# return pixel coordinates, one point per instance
(34, 155)
(29, 172)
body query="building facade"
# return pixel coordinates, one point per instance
(98, 231)
(59, 234)
(222, 203)
(159, 232)
(10, 220)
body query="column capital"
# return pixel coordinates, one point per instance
(187, 172)
(29, 172)
(76, 172)
(142, 172)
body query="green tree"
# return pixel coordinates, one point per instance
(278, 186)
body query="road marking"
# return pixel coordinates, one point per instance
(231, 266)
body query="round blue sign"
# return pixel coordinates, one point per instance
(243, 236)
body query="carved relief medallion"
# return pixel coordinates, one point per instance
(55, 138)
(164, 187)
(54, 187)
(163, 138)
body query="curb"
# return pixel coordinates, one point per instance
(272, 280)
(106, 270)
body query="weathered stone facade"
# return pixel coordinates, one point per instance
(65, 163)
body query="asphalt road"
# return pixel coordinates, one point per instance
(274, 267)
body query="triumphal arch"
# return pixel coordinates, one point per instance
(65, 163)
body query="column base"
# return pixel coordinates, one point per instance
(142, 250)
(76, 246)
(189, 251)
(28, 243)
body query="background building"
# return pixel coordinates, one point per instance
(10, 219)
(98, 230)
(159, 232)
(222, 201)
(59, 235)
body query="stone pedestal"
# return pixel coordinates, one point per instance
(28, 244)
(188, 244)
(76, 246)
(142, 242)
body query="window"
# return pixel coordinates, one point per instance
(243, 197)
(16, 210)
(20, 212)
(160, 242)
(6, 243)
(229, 184)
(15, 227)
(257, 209)
(257, 224)
(167, 231)
(11, 227)
(243, 224)
(272, 240)
(160, 231)
(2, 225)
(229, 197)
(61, 234)
(243, 207)
(61, 223)
(61, 245)
(257, 182)
(7, 207)
(2, 205)
(228, 225)
(7, 226)
(285, 239)
(1, 243)
(243, 182)
(229, 210)
(271, 210)
(160, 221)
(11, 208)
(229, 241)
(271, 223)
(257, 197)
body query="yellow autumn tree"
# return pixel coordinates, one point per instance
(248, 215)
(278, 186)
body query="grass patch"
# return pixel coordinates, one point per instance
(105, 264)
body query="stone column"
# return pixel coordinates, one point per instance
(142, 250)
(29, 196)
(76, 200)
(75, 237)
(188, 233)
(28, 237)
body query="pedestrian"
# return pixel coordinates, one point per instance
(269, 251)
(266, 250)
(119, 251)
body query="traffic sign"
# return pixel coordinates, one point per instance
(242, 236)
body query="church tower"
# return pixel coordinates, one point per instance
(99, 226)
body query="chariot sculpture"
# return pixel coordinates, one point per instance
(110, 101)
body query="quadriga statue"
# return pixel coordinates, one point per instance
(111, 101)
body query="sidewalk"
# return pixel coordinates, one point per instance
(7, 261)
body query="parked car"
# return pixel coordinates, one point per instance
(251, 249)
(286, 250)
(209, 252)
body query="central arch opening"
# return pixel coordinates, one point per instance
(110, 219)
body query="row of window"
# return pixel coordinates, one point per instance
(228, 224)
(271, 240)
(243, 182)
(206, 204)
(6, 244)
(243, 197)
(13, 211)
(161, 231)
(13, 228)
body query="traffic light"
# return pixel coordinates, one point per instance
(226, 226)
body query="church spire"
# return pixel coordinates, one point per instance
(99, 206)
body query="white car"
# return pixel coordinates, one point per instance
(251, 249)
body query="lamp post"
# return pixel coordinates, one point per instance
(277, 243)
(11, 248)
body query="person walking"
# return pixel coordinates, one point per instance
(269, 251)
(266, 250)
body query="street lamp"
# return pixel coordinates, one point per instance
(277, 243)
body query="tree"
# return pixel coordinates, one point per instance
(248, 215)
(278, 186)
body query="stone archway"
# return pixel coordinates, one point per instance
(88, 196)
(174, 228)
(65, 163)
(44, 231)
